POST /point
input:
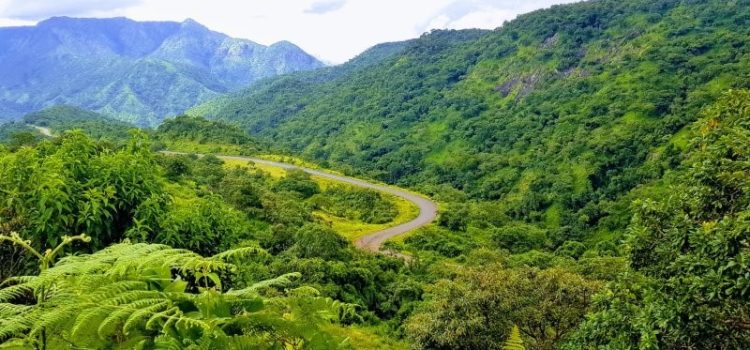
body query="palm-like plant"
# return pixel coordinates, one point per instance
(153, 296)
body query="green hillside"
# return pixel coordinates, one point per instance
(555, 115)
(140, 72)
(63, 118)
(589, 166)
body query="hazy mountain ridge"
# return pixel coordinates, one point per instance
(136, 71)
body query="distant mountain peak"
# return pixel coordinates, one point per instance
(136, 71)
(191, 23)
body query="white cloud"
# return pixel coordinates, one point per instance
(325, 6)
(484, 18)
(41, 9)
(9, 22)
(333, 30)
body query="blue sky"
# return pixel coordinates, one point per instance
(333, 30)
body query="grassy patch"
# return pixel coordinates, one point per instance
(273, 171)
(353, 230)
(366, 338)
(350, 229)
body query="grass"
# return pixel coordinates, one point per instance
(273, 171)
(295, 161)
(204, 148)
(354, 229)
(350, 229)
(366, 338)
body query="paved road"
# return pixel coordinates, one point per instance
(373, 241)
(45, 131)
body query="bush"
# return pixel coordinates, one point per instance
(571, 249)
(519, 238)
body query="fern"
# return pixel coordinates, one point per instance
(129, 294)
(514, 341)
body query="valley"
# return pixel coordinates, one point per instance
(540, 175)
(427, 209)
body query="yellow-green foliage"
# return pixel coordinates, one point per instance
(350, 228)
(274, 171)
(514, 341)
(145, 296)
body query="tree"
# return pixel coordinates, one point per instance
(478, 308)
(300, 182)
(314, 240)
(571, 249)
(689, 251)
(519, 238)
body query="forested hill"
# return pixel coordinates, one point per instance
(136, 71)
(557, 113)
(64, 118)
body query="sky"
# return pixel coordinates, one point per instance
(332, 30)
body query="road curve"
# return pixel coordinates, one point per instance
(373, 241)
(43, 130)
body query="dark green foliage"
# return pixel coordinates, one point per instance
(455, 217)
(557, 114)
(299, 182)
(63, 118)
(202, 131)
(571, 249)
(479, 307)
(316, 241)
(204, 225)
(441, 241)
(519, 238)
(356, 204)
(689, 251)
(71, 185)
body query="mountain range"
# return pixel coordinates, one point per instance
(139, 72)
(553, 117)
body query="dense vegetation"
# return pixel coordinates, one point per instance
(111, 193)
(140, 72)
(184, 133)
(591, 160)
(555, 116)
(356, 204)
(63, 118)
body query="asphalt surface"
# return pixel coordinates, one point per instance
(374, 241)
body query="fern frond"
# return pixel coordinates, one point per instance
(15, 292)
(52, 318)
(514, 341)
(7, 310)
(16, 280)
(90, 316)
(282, 281)
(240, 253)
(112, 323)
(115, 289)
(304, 291)
(145, 316)
(132, 296)
(16, 344)
(14, 326)
(167, 343)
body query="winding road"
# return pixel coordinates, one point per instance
(43, 130)
(371, 242)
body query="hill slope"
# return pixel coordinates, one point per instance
(557, 114)
(63, 118)
(136, 71)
